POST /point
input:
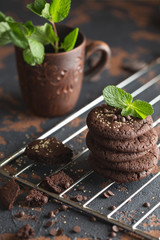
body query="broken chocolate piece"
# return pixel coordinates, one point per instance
(36, 198)
(9, 193)
(25, 232)
(57, 182)
(49, 151)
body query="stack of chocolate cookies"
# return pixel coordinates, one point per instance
(123, 149)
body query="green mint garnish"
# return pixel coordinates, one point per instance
(32, 39)
(117, 97)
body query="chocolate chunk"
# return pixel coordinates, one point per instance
(112, 207)
(36, 198)
(49, 224)
(57, 182)
(49, 151)
(115, 228)
(25, 232)
(76, 229)
(51, 214)
(146, 204)
(64, 208)
(9, 193)
(110, 193)
(53, 232)
(93, 219)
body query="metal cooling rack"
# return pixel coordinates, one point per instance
(145, 83)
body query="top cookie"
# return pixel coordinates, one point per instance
(106, 121)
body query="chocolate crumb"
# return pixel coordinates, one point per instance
(36, 198)
(59, 232)
(115, 228)
(85, 198)
(76, 229)
(146, 204)
(49, 224)
(51, 214)
(110, 193)
(93, 219)
(112, 207)
(21, 214)
(64, 208)
(78, 198)
(53, 232)
(56, 211)
(113, 234)
(25, 232)
(106, 195)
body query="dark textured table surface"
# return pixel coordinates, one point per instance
(132, 30)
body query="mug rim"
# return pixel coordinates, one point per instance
(74, 49)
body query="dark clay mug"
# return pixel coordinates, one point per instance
(53, 88)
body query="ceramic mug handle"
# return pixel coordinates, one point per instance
(103, 61)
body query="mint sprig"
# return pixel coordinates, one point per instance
(32, 39)
(117, 97)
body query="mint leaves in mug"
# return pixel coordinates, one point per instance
(31, 38)
(117, 97)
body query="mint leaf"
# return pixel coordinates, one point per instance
(17, 36)
(44, 34)
(35, 53)
(116, 97)
(37, 6)
(29, 58)
(2, 17)
(70, 40)
(4, 27)
(45, 12)
(41, 8)
(4, 38)
(59, 9)
(30, 27)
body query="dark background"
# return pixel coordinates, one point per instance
(131, 29)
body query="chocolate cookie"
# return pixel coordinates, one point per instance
(49, 151)
(112, 156)
(139, 165)
(106, 121)
(119, 176)
(138, 144)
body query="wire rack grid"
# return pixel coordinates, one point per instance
(143, 82)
